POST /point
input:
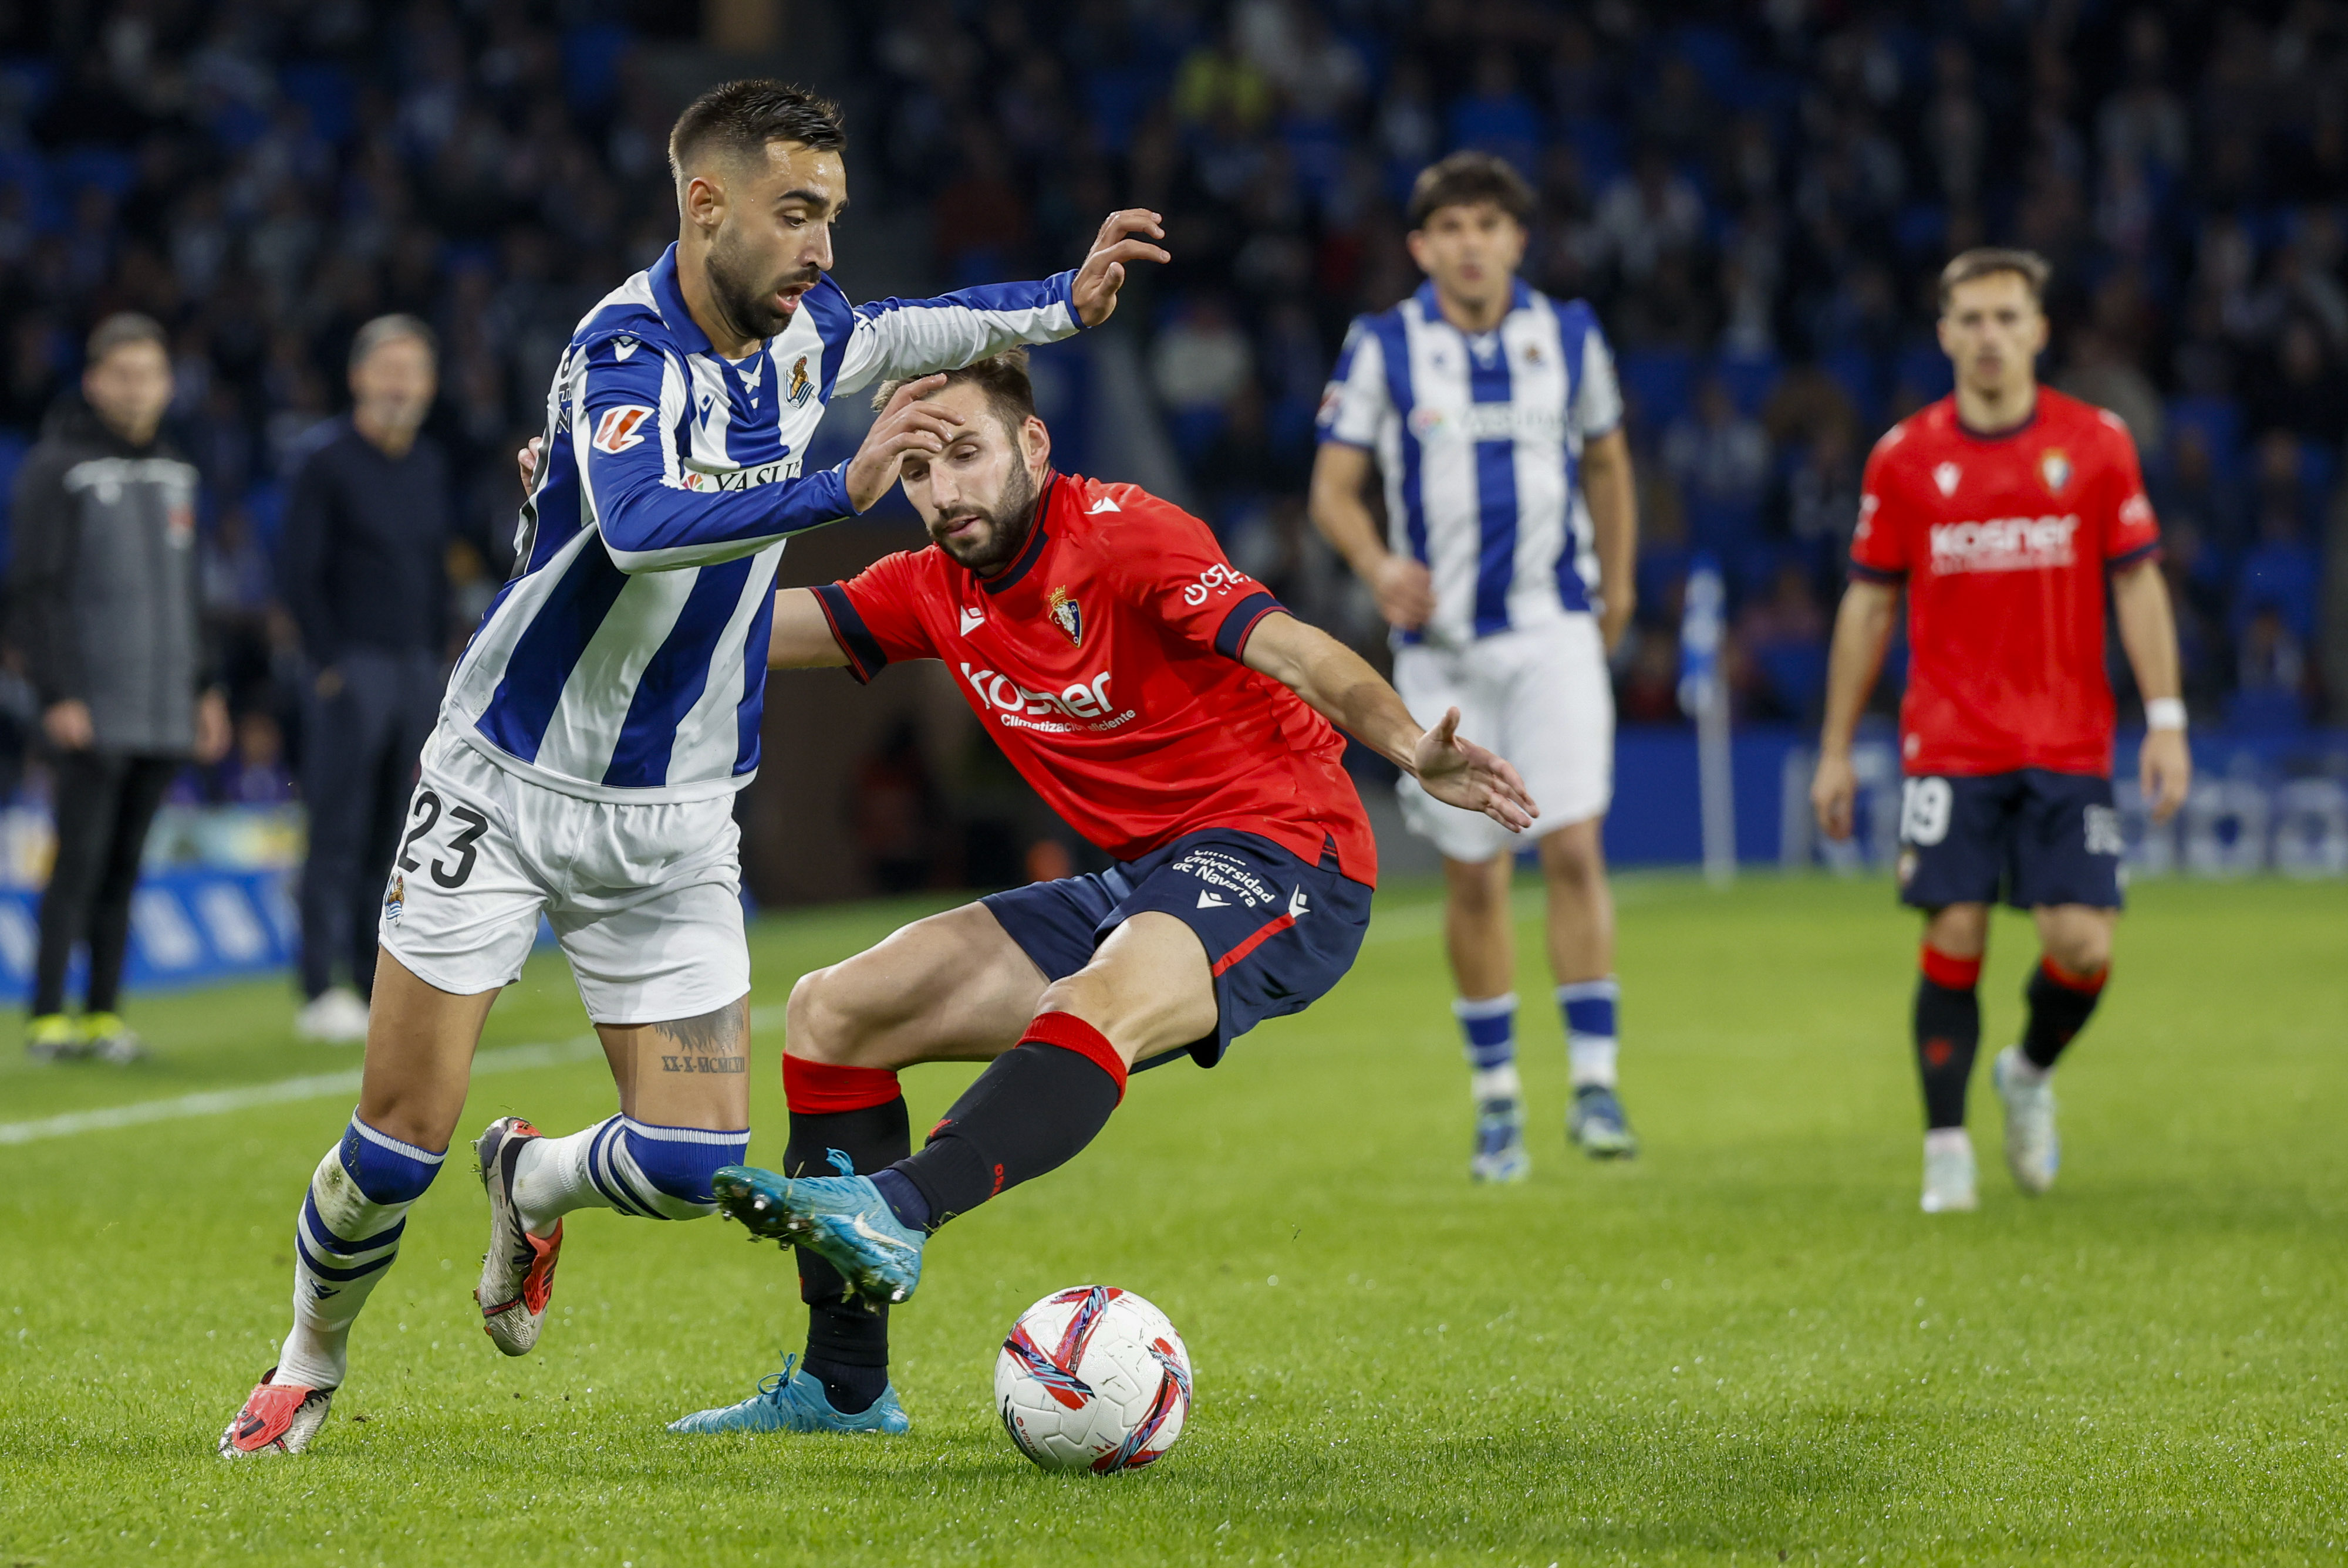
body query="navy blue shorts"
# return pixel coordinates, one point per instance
(2042, 837)
(1278, 930)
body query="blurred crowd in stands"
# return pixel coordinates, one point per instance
(1756, 197)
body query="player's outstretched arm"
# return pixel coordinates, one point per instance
(802, 637)
(1862, 627)
(2147, 626)
(895, 338)
(1343, 689)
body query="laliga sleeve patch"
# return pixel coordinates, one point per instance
(617, 429)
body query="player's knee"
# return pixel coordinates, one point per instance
(1960, 930)
(1573, 858)
(817, 1023)
(1478, 891)
(2081, 947)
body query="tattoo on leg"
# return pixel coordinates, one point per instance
(710, 1043)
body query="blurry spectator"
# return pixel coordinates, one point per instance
(1820, 507)
(31, 370)
(1721, 459)
(107, 614)
(2302, 391)
(2101, 374)
(1784, 639)
(1200, 362)
(2193, 491)
(1647, 215)
(366, 532)
(1497, 118)
(254, 772)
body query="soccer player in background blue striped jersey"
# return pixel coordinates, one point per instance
(1505, 568)
(607, 709)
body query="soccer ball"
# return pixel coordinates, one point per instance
(1093, 1378)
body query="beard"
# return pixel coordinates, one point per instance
(1007, 522)
(745, 299)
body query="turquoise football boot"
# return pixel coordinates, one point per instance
(842, 1219)
(794, 1402)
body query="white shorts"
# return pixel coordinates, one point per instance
(646, 900)
(1542, 699)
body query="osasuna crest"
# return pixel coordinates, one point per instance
(2054, 468)
(802, 388)
(1067, 615)
(1945, 476)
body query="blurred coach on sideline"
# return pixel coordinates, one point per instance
(109, 619)
(363, 571)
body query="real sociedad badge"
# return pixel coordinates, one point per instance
(2054, 468)
(395, 899)
(1067, 615)
(802, 388)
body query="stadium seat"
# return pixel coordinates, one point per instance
(1749, 378)
(1796, 675)
(2219, 422)
(2266, 711)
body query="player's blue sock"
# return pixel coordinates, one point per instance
(660, 1173)
(905, 1200)
(344, 1241)
(1590, 1042)
(1489, 1026)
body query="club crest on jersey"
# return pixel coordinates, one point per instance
(620, 429)
(1067, 615)
(2054, 468)
(1945, 476)
(802, 388)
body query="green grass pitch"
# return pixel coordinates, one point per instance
(1746, 1346)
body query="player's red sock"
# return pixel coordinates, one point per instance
(859, 1111)
(1947, 1034)
(2060, 1003)
(1031, 1110)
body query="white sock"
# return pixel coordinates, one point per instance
(1591, 1060)
(551, 1179)
(1494, 1083)
(1948, 1141)
(333, 1276)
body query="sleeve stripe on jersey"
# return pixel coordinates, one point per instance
(866, 657)
(1866, 573)
(1231, 638)
(2145, 551)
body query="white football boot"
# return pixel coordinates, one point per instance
(1951, 1177)
(277, 1418)
(2033, 1150)
(518, 1271)
(333, 1017)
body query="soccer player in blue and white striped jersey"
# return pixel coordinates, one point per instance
(1505, 567)
(607, 709)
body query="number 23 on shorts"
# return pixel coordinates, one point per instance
(424, 816)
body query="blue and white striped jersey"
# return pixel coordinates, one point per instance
(1479, 440)
(626, 660)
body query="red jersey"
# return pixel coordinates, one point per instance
(2004, 542)
(1106, 661)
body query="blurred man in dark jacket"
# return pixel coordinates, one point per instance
(363, 571)
(107, 614)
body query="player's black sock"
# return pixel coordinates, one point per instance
(1030, 1111)
(1947, 1034)
(847, 1342)
(2060, 1002)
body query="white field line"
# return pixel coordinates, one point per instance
(314, 1086)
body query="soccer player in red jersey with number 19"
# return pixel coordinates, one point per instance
(1178, 717)
(2004, 509)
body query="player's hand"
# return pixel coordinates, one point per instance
(527, 461)
(68, 724)
(213, 731)
(1103, 274)
(1463, 773)
(1406, 592)
(1832, 789)
(906, 424)
(1614, 620)
(2164, 768)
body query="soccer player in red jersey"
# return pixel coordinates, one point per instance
(1170, 710)
(2005, 510)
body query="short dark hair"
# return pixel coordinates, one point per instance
(741, 117)
(1987, 260)
(1464, 178)
(391, 329)
(1001, 376)
(122, 329)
